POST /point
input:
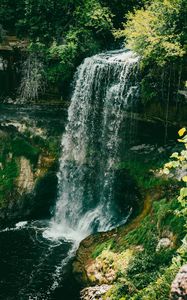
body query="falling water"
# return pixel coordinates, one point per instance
(32, 82)
(105, 86)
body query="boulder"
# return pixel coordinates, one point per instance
(96, 292)
(179, 285)
(164, 243)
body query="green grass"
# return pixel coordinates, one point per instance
(163, 217)
(150, 273)
(103, 246)
(160, 288)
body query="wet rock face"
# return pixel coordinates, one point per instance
(126, 194)
(32, 196)
(25, 181)
(179, 285)
(28, 168)
(95, 293)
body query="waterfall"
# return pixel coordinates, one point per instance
(106, 85)
(32, 82)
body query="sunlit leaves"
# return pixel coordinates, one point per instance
(175, 155)
(184, 178)
(182, 131)
(153, 32)
(178, 162)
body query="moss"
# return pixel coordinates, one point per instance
(8, 176)
(159, 289)
(150, 272)
(143, 172)
(168, 218)
(50, 145)
(101, 247)
(162, 217)
(15, 144)
(21, 147)
(145, 234)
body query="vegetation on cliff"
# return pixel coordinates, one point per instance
(27, 159)
(141, 259)
(157, 32)
(137, 261)
(62, 33)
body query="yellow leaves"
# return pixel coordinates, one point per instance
(184, 178)
(183, 194)
(168, 165)
(178, 160)
(151, 32)
(175, 155)
(166, 171)
(181, 158)
(182, 131)
(172, 164)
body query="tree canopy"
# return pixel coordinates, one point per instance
(62, 33)
(157, 32)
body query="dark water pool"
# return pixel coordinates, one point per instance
(33, 267)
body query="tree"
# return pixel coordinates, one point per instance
(157, 32)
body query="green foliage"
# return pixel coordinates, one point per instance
(101, 247)
(63, 32)
(152, 269)
(92, 24)
(147, 266)
(150, 273)
(160, 288)
(145, 234)
(120, 9)
(143, 172)
(8, 176)
(92, 14)
(20, 147)
(178, 163)
(10, 13)
(155, 32)
(77, 44)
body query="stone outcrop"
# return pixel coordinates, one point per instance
(28, 172)
(12, 42)
(105, 268)
(179, 285)
(96, 292)
(25, 181)
(166, 241)
(163, 243)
